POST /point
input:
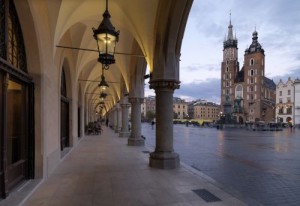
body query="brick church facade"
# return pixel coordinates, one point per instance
(250, 93)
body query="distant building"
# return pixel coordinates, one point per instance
(285, 101)
(148, 105)
(180, 107)
(251, 94)
(297, 101)
(201, 109)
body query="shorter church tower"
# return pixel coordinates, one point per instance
(254, 71)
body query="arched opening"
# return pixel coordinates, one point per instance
(64, 113)
(16, 104)
(241, 120)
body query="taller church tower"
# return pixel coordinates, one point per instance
(229, 67)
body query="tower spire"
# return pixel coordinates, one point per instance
(230, 17)
(230, 33)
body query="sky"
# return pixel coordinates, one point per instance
(277, 23)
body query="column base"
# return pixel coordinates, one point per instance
(124, 134)
(164, 160)
(117, 130)
(136, 142)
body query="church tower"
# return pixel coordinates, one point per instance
(254, 81)
(229, 67)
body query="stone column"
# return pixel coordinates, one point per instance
(124, 129)
(164, 156)
(135, 138)
(118, 118)
(115, 117)
(112, 118)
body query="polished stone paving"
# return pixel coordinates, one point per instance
(257, 166)
(103, 170)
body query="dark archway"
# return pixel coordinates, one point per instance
(241, 120)
(64, 114)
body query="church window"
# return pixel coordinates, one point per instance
(251, 88)
(251, 62)
(251, 72)
(251, 80)
(227, 69)
(227, 84)
(227, 91)
(239, 91)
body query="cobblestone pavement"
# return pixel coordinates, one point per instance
(258, 166)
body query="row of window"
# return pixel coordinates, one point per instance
(288, 100)
(251, 62)
(183, 106)
(288, 92)
(208, 116)
(288, 110)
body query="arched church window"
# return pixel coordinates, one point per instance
(251, 62)
(251, 72)
(227, 69)
(11, 40)
(239, 91)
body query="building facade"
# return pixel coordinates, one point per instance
(285, 101)
(180, 108)
(297, 102)
(204, 110)
(251, 94)
(148, 106)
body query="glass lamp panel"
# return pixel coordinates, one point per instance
(106, 39)
(103, 88)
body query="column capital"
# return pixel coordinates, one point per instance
(164, 84)
(125, 105)
(138, 100)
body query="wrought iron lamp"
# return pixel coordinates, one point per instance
(106, 37)
(102, 96)
(103, 84)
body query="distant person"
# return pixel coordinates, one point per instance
(291, 126)
(152, 124)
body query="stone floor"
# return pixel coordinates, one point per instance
(103, 170)
(260, 167)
